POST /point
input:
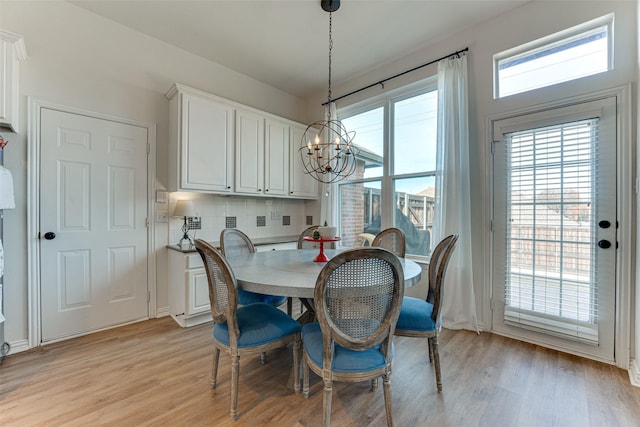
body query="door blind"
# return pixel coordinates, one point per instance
(551, 278)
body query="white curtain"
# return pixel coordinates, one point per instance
(453, 195)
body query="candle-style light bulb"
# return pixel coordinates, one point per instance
(317, 142)
(308, 147)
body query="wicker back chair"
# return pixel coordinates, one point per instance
(252, 329)
(358, 296)
(303, 244)
(234, 242)
(391, 239)
(421, 318)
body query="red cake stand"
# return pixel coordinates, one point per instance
(321, 257)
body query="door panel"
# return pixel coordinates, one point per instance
(93, 196)
(554, 175)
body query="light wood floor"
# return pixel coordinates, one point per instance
(155, 373)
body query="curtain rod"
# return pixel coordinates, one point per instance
(381, 82)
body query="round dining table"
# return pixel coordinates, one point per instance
(293, 273)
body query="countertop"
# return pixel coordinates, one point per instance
(257, 242)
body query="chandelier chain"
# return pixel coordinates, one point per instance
(330, 50)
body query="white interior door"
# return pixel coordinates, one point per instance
(555, 225)
(93, 232)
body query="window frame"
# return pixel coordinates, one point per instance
(555, 38)
(387, 179)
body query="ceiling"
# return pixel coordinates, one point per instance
(285, 43)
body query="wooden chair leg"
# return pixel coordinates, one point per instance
(436, 359)
(386, 387)
(326, 402)
(214, 367)
(290, 306)
(374, 384)
(430, 344)
(297, 346)
(305, 378)
(235, 374)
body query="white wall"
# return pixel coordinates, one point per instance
(529, 22)
(634, 371)
(80, 60)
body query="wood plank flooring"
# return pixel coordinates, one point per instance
(155, 373)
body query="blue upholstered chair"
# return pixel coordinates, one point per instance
(250, 329)
(235, 242)
(357, 298)
(421, 318)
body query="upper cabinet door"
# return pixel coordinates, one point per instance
(276, 152)
(206, 151)
(12, 51)
(300, 184)
(249, 152)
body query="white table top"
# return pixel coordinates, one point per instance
(293, 273)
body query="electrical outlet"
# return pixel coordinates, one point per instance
(162, 216)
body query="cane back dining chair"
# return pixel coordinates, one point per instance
(358, 295)
(421, 318)
(392, 239)
(304, 244)
(234, 242)
(250, 329)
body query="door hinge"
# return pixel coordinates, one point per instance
(148, 296)
(148, 148)
(491, 304)
(491, 226)
(493, 143)
(147, 222)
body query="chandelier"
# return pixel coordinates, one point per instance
(326, 149)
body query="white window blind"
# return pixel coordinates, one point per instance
(551, 273)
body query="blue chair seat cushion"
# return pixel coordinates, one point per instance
(344, 360)
(246, 298)
(415, 315)
(259, 324)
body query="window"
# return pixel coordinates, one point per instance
(394, 185)
(578, 52)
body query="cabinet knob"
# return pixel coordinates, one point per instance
(266, 190)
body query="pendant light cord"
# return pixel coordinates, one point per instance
(330, 49)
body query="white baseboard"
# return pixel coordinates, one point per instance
(162, 312)
(18, 346)
(634, 372)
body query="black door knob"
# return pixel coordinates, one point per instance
(50, 235)
(604, 244)
(604, 224)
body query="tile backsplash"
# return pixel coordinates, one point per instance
(257, 217)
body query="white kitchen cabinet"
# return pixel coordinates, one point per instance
(249, 152)
(300, 184)
(188, 289)
(201, 142)
(262, 155)
(12, 51)
(276, 157)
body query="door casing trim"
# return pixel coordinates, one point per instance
(33, 210)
